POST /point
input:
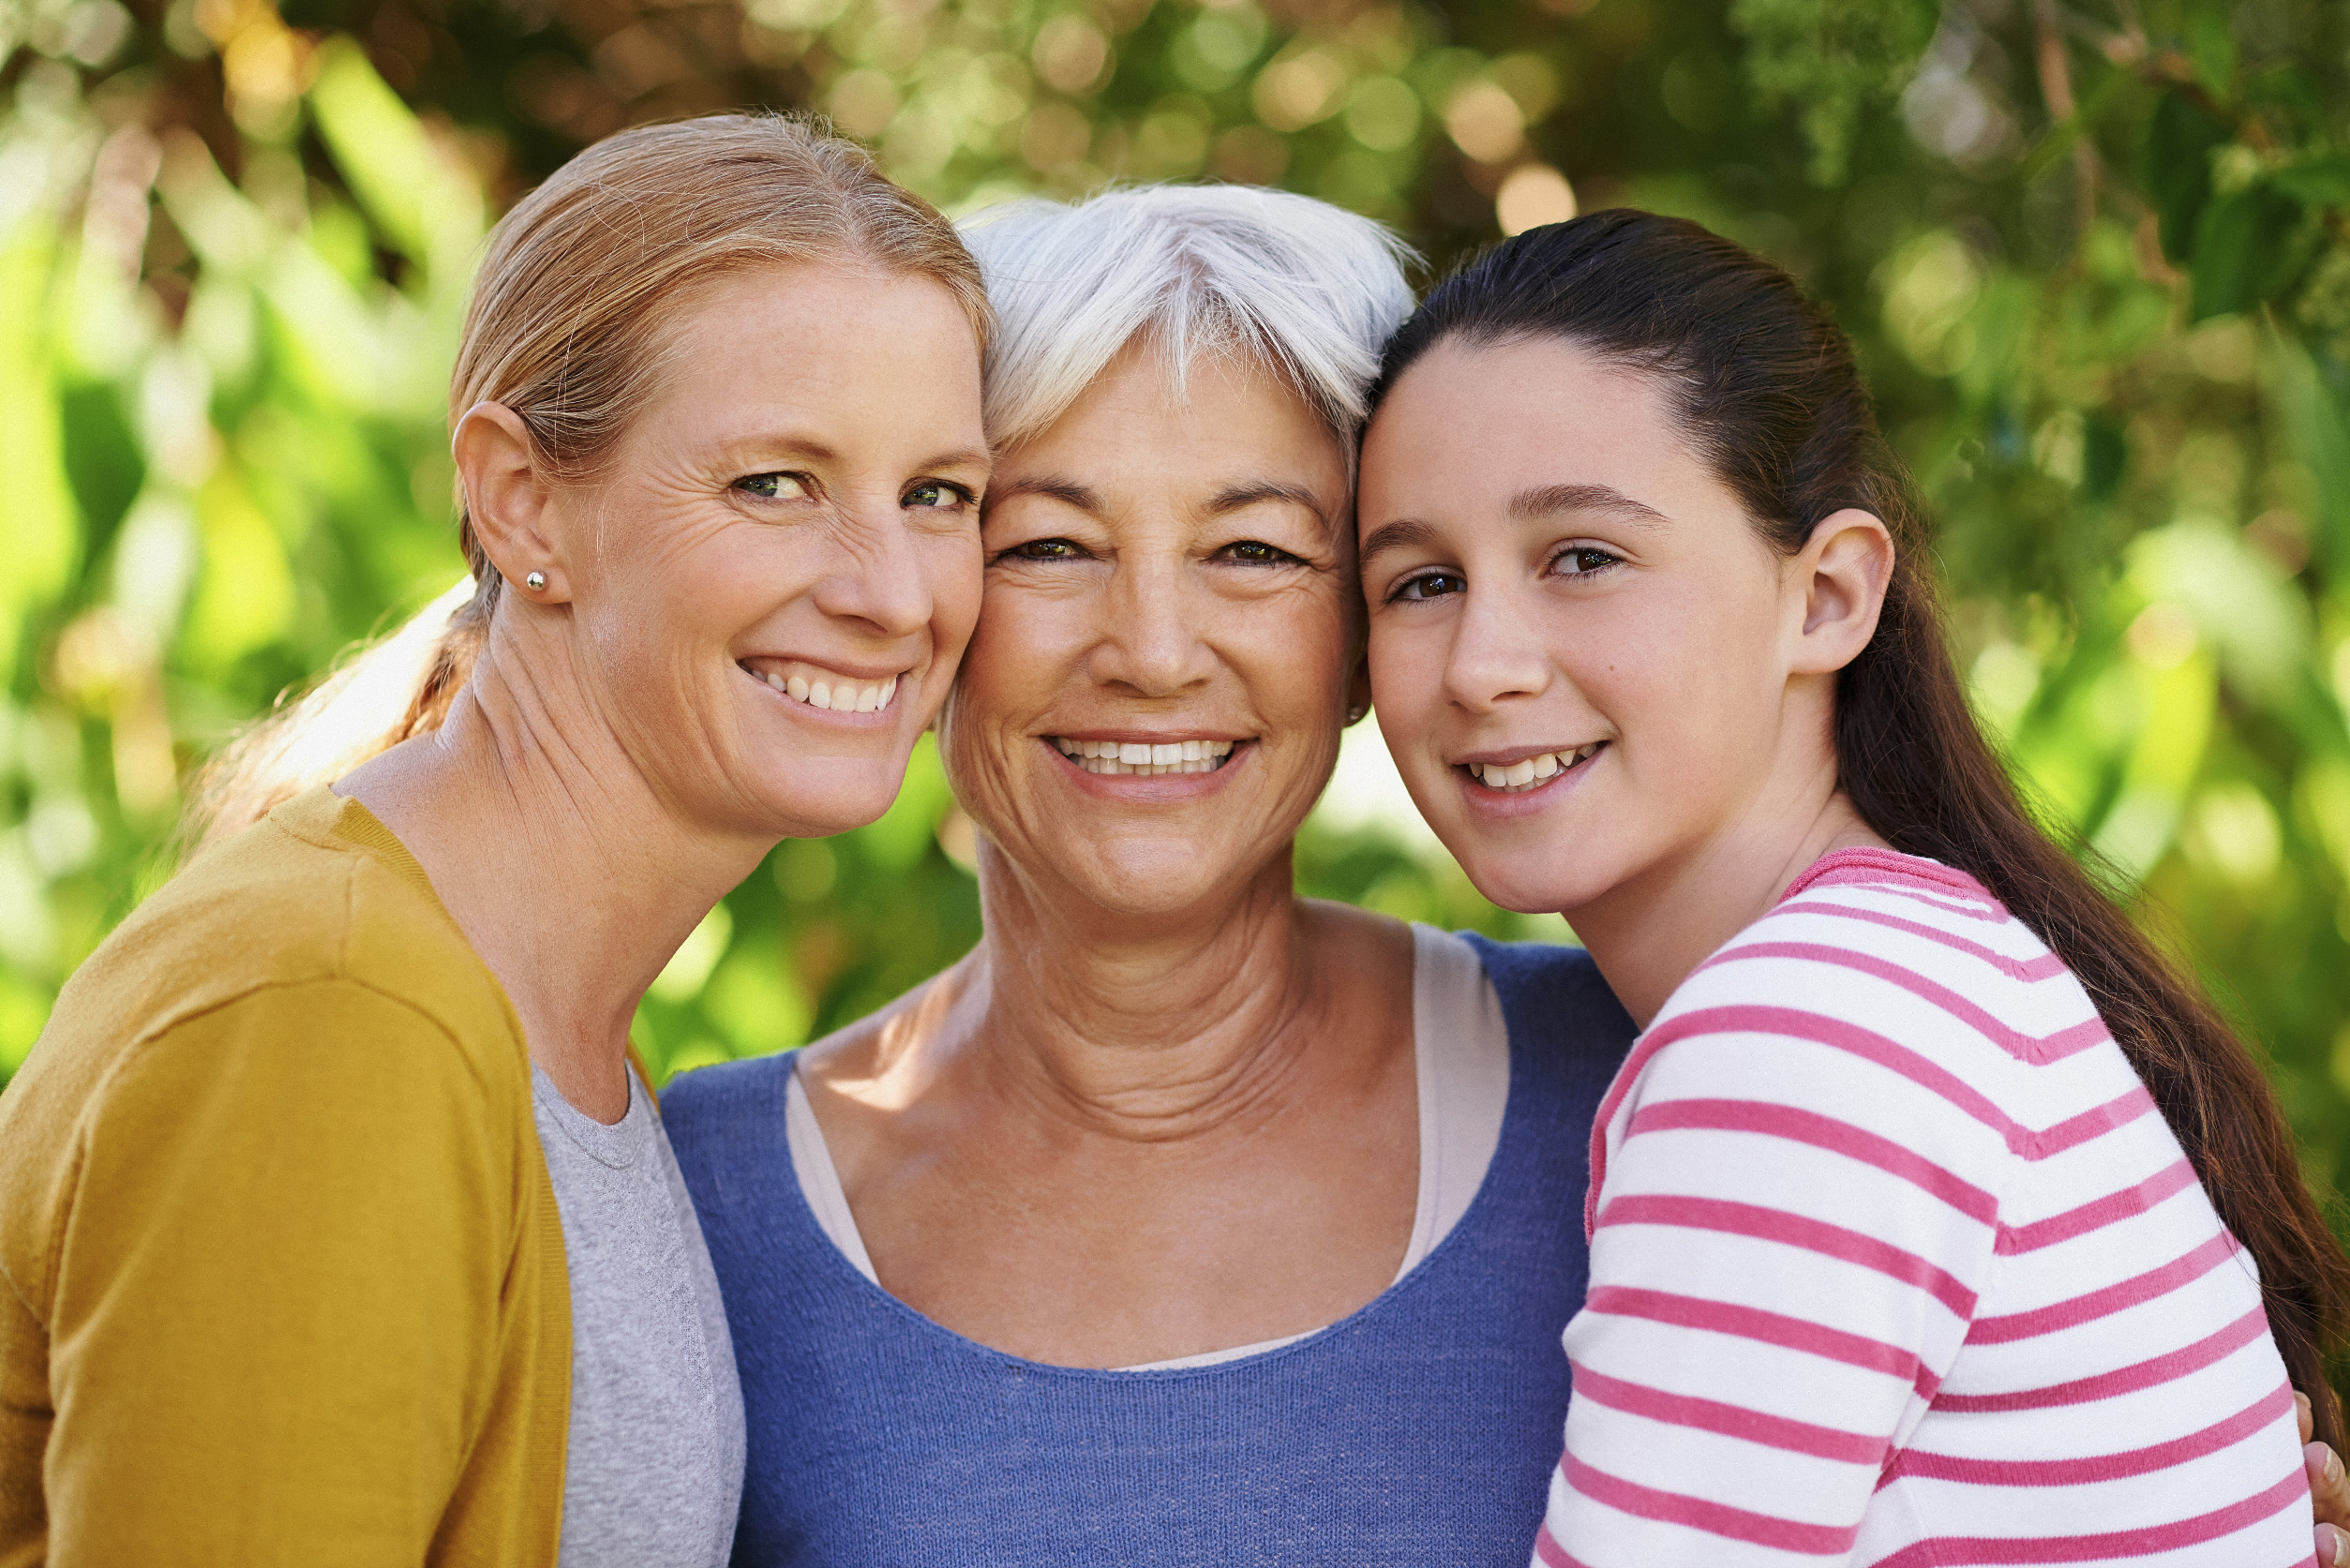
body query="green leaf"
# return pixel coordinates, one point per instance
(2176, 168)
(2321, 182)
(2211, 45)
(2244, 251)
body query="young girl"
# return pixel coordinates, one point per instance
(1899, 1252)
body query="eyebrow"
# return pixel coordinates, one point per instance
(1402, 534)
(1548, 501)
(1234, 496)
(1053, 487)
(969, 458)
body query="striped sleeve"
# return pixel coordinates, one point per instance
(1793, 1222)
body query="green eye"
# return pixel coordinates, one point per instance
(1045, 549)
(773, 486)
(1256, 552)
(938, 493)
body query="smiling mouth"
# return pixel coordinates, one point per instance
(1133, 756)
(1508, 778)
(819, 687)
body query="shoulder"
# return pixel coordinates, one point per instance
(1905, 947)
(710, 1105)
(1561, 982)
(283, 942)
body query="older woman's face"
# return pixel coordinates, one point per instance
(774, 587)
(1153, 699)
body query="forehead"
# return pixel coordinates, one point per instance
(1145, 413)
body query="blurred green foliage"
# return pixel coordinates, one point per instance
(2097, 257)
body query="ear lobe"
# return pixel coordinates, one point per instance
(1358, 690)
(506, 497)
(1844, 571)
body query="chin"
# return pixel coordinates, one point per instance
(819, 800)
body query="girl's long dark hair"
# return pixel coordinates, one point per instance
(1766, 390)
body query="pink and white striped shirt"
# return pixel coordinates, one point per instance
(1894, 1262)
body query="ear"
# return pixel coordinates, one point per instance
(1358, 689)
(508, 500)
(1841, 574)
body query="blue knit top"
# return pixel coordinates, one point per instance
(1420, 1430)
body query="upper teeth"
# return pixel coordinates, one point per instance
(1527, 770)
(1134, 757)
(819, 687)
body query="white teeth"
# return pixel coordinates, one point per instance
(820, 688)
(1528, 771)
(1142, 760)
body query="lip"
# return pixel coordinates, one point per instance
(1147, 788)
(1508, 805)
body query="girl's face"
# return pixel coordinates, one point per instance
(1588, 664)
(1153, 700)
(764, 601)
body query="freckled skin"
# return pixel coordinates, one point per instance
(802, 482)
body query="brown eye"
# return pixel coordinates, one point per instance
(1432, 585)
(1256, 552)
(1582, 561)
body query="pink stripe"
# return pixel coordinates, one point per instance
(1697, 1513)
(1730, 1421)
(1836, 1034)
(1821, 1132)
(1791, 1230)
(2130, 1293)
(1753, 1322)
(2124, 1379)
(2255, 1418)
(2038, 1049)
(1874, 865)
(1552, 1555)
(1951, 1551)
(2044, 967)
(2109, 1210)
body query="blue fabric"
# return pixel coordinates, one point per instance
(1421, 1430)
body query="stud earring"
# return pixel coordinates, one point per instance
(535, 581)
(1354, 714)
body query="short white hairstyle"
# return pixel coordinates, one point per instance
(1286, 283)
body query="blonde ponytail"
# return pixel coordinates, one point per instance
(578, 287)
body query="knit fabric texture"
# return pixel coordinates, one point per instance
(1421, 1430)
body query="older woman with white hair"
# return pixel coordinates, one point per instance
(1185, 1220)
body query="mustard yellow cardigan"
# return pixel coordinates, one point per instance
(281, 1277)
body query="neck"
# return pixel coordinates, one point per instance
(1147, 1028)
(1649, 932)
(571, 877)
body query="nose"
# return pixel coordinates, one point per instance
(1149, 637)
(879, 578)
(1495, 656)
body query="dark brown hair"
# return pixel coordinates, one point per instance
(1765, 388)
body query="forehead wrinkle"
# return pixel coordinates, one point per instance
(1549, 500)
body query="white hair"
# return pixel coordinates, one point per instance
(1292, 285)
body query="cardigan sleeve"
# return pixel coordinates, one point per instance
(276, 1291)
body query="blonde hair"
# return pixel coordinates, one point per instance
(1297, 287)
(571, 314)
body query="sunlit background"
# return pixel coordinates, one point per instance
(2095, 253)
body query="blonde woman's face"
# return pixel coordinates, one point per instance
(1154, 698)
(773, 589)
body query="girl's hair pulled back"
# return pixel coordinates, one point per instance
(581, 288)
(1764, 388)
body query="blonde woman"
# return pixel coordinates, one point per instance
(334, 1225)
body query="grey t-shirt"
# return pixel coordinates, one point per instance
(654, 1471)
